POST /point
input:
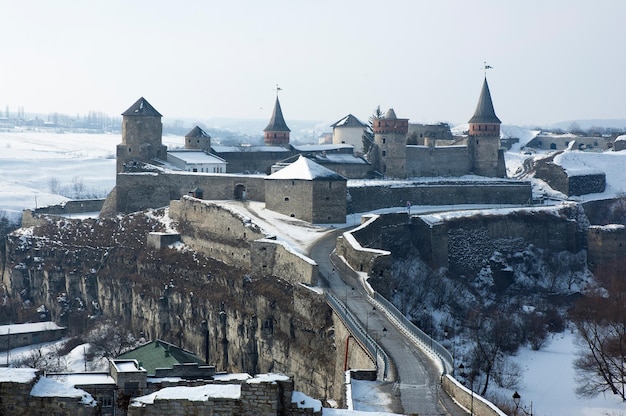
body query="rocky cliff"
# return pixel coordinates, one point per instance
(84, 269)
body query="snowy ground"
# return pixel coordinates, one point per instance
(33, 165)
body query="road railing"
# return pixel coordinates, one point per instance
(360, 334)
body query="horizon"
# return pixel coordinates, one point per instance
(224, 60)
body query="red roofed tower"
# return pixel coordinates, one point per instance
(484, 138)
(276, 133)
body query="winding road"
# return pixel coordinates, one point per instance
(416, 376)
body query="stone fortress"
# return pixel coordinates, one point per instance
(149, 175)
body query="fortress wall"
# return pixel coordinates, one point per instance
(270, 257)
(234, 239)
(259, 162)
(360, 257)
(462, 243)
(368, 198)
(138, 191)
(605, 244)
(215, 231)
(73, 207)
(438, 161)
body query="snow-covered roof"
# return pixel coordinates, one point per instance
(17, 375)
(84, 379)
(27, 328)
(248, 149)
(621, 138)
(267, 378)
(48, 387)
(194, 394)
(340, 158)
(195, 156)
(321, 147)
(349, 121)
(306, 169)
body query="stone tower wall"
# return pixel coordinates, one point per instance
(390, 137)
(484, 146)
(141, 140)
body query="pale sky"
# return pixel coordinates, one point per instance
(553, 60)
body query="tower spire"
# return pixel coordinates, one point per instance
(276, 132)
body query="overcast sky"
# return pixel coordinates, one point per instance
(552, 60)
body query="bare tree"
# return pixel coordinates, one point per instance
(49, 361)
(601, 322)
(78, 186)
(53, 185)
(111, 338)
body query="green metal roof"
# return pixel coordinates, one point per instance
(161, 354)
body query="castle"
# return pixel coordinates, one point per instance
(480, 155)
(148, 175)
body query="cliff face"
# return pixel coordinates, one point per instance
(103, 267)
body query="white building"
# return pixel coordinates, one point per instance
(196, 161)
(349, 130)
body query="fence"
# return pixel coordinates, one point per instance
(378, 354)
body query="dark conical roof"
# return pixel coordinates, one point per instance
(349, 121)
(197, 132)
(484, 110)
(141, 108)
(277, 122)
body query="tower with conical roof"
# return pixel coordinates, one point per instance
(142, 134)
(390, 136)
(483, 142)
(276, 133)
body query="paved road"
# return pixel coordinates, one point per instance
(418, 387)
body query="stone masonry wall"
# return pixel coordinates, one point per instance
(369, 198)
(438, 161)
(274, 258)
(605, 244)
(138, 191)
(225, 235)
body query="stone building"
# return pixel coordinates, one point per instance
(127, 389)
(307, 191)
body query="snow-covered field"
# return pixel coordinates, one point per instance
(38, 169)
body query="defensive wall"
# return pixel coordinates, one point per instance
(437, 161)
(365, 197)
(228, 236)
(606, 245)
(79, 206)
(461, 241)
(569, 184)
(142, 190)
(138, 191)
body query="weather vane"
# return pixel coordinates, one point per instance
(486, 67)
(278, 89)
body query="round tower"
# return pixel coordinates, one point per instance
(390, 136)
(198, 139)
(484, 138)
(142, 133)
(276, 133)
